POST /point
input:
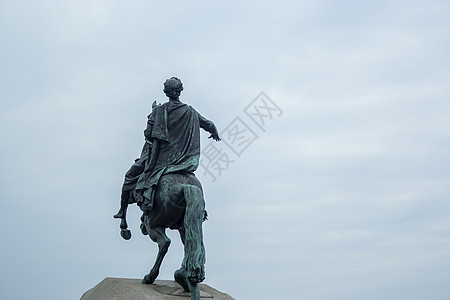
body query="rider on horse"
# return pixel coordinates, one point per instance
(173, 128)
(163, 184)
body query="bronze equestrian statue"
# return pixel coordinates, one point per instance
(163, 184)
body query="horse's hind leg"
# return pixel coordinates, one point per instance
(188, 286)
(158, 235)
(180, 274)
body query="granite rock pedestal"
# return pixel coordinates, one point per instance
(133, 289)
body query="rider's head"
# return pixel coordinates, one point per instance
(173, 87)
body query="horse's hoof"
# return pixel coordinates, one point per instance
(126, 234)
(180, 277)
(148, 279)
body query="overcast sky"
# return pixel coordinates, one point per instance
(343, 193)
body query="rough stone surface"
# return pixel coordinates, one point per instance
(133, 289)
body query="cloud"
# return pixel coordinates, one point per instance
(346, 190)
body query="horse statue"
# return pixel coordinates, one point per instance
(178, 204)
(165, 188)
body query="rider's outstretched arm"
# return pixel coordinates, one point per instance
(209, 126)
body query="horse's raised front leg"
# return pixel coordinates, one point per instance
(158, 235)
(122, 214)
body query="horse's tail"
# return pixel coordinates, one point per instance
(194, 250)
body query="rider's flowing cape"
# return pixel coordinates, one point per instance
(174, 130)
